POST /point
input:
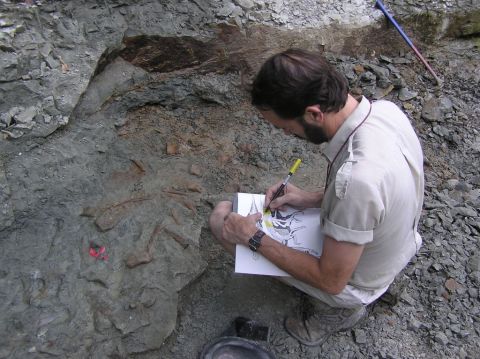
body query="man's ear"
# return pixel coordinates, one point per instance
(313, 115)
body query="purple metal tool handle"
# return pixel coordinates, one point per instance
(379, 5)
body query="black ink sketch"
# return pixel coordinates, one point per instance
(282, 227)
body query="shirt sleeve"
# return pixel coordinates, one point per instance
(354, 217)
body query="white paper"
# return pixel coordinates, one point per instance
(298, 229)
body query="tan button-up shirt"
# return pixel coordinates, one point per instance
(374, 194)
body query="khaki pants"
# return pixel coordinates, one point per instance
(350, 297)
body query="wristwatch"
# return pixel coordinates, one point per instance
(256, 240)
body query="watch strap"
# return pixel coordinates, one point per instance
(256, 240)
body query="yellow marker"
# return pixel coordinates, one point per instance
(280, 189)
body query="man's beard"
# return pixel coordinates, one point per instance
(313, 133)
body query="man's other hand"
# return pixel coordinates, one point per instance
(238, 229)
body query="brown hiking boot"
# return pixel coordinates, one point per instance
(318, 327)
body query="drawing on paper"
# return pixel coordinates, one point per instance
(281, 226)
(297, 229)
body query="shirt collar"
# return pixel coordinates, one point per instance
(345, 130)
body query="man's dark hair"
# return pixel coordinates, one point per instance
(292, 80)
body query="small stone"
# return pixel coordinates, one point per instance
(406, 95)
(462, 354)
(382, 92)
(414, 324)
(172, 148)
(360, 336)
(62, 120)
(368, 78)
(10, 115)
(195, 187)
(262, 165)
(446, 104)
(473, 263)
(245, 4)
(455, 328)
(399, 83)
(435, 109)
(451, 183)
(226, 10)
(407, 298)
(441, 338)
(464, 211)
(195, 170)
(359, 69)
(13, 133)
(385, 58)
(475, 277)
(136, 259)
(429, 222)
(441, 131)
(473, 293)
(453, 318)
(401, 60)
(431, 111)
(451, 285)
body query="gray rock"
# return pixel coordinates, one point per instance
(8, 66)
(464, 212)
(226, 10)
(368, 77)
(446, 104)
(27, 115)
(399, 83)
(213, 89)
(451, 183)
(407, 298)
(360, 336)
(401, 60)
(406, 95)
(475, 277)
(381, 73)
(441, 131)
(431, 111)
(441, 338)
(385, 58)
(455, 328)
(473, 263)
(52, 62)
(435, 109)
(9, 116)
(462, 354)
(414, 324)
(6, 209)
(245, 4)
(429, 222)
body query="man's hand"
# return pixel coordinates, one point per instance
(238, 229)
(293, 196)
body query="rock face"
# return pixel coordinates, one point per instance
(122, 121)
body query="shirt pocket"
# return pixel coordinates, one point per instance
(344, 173)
